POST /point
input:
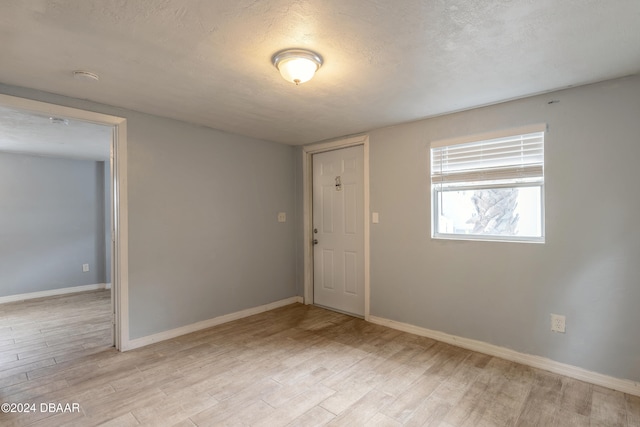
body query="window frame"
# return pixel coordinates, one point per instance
(436, 189)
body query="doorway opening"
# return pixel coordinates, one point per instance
(111, 174)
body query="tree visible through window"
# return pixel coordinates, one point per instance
(495, 211)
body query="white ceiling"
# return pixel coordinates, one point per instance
(386, 62)
(28, 133)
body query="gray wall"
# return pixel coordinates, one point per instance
(51, 222)
(203, 233)
(204, 240)
(503, 293)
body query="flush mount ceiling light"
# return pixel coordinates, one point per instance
(297, 65)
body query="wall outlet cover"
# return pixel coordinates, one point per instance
(558, 323)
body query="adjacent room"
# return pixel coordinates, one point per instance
(56, 231)
(295, 213)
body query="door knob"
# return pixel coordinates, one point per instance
(315, 241)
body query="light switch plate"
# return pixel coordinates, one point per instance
(375, 217)
(282, 217)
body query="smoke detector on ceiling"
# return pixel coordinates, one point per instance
(58, 121)
(86, 76)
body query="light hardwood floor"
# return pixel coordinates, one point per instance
(294, 366)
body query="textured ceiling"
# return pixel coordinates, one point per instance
(386, 62)
(28, 133)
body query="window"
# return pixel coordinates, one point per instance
(489, 188)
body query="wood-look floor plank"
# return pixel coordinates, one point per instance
(362, 411)
(314, 417)
(404, 405)
(633, 410)
(170, 410)
(126, 420)
(343, 399)
(229, 408)
(401, 378)
(537, 413)
(576, 396)
(292, 366)
(569, 418)
(608, 406)
(430, 412)
(295, 407)
(381, 420)
(13, 379)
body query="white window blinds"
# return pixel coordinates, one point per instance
(508, 158)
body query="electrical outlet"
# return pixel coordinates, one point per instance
(85, 268)
(558, 323)
(282, 217)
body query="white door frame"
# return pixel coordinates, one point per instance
(119, 210)
(307, 183)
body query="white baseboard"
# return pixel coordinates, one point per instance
(54, 292)
(194, 327)
(625, 386)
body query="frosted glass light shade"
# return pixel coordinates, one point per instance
(297, 65)
(297, 70)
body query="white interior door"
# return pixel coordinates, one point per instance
(338, 229)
